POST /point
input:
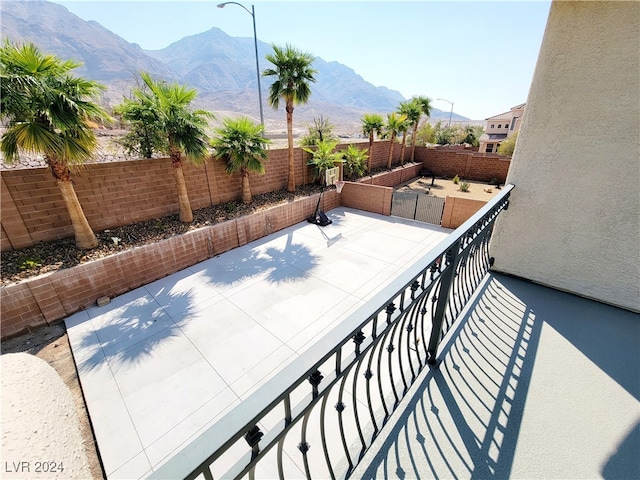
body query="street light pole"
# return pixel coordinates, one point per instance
(255, 45)
(451, 112)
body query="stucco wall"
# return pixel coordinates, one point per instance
(574, 218)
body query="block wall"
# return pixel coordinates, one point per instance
(469, 165)
(371, 198)
(458, 210)
(120, 193)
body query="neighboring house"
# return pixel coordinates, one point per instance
(499, 127)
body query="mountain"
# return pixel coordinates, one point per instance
(221, 67)
(106, 57)
(214, 61)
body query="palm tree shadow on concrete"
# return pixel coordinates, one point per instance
(295, 261)
(127, 332)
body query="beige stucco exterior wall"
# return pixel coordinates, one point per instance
(574, 218)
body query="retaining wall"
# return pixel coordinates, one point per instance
(48, 299)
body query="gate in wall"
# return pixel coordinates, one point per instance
(417, 206)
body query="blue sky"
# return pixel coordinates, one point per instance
(478, 55)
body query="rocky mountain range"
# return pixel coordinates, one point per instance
(221, 67)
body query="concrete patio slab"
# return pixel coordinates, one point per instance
(163, 362)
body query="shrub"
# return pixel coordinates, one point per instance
(464, 186)
(456, 180)
(355, 161)
(30, 263)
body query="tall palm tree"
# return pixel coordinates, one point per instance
(241, 143)
(293, 74)
(406, 109)
(424, 103)
(392, 128)
(413, 111)
(372, 124)
(48, 112)
(182, 129)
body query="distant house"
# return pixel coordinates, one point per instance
(499, 127)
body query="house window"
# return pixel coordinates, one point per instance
(499, 125)
(492, 125)
(513, 123)
(489, 147)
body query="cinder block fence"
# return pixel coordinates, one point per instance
(32, 211)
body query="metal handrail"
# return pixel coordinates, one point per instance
(389, 336)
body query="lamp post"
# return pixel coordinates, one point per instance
(451, 112)
(255, 44)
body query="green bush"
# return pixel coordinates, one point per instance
(456, 180)
(464, 186)
(355, 162)
(30, 264)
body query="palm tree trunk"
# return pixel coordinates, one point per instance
(291, 183)
(413, 141)
(393, 140)
(246, 188)
(185, 215)
(85, 238)
(404, 148)
(370, 148)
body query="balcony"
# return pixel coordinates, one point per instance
(449, 371)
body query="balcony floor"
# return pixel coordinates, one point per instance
(534, 383)
(161, 363)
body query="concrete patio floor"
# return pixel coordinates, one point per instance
(163, 362)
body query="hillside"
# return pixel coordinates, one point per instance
(221, 67)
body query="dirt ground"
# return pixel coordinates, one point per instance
(443, 188)
(51, 344)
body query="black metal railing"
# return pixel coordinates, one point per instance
(318, 416)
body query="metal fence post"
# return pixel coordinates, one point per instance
(446, 280)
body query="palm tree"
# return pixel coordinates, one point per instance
(182, 130)
(392, 128)
(293, 73)
(425, 106)
(413, 111)
(241, 143)
(372, 124)
(48, 112)
(406, 109)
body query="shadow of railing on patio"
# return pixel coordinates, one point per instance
(466, 417)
